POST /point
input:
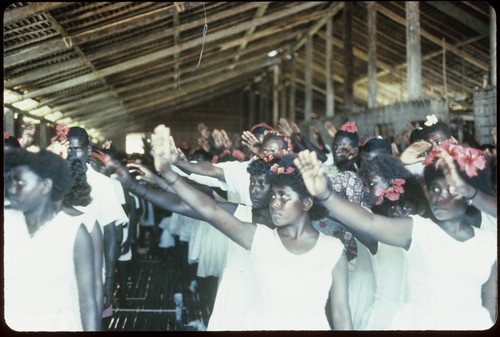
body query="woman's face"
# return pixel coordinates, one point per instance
(260, 191)
(272, 146)
(78, 149)
(445, 205)
(285, 206)
(343, 151)
(24, 188)
(374, 183)
(436, 138)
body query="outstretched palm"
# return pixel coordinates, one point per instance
(312, 172)
(161, 148)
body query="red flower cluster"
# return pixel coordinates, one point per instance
(269, 157)
(281, 170)
(61, 133)
(349, 127)
(469, 159)
(392, 193)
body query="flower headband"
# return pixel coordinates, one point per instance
(349, 127)
(431, 120)
(268, 157)
(261, 125)
(281, 170)
(392, 193)
(469, 159)
(61, 133)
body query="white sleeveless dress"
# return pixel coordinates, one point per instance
(237, 291)
(444, 280)
(389, 269)
(294, 288)
(40, 291)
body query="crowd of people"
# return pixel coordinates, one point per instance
(274, 230)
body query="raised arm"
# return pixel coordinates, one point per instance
(205, 206)
(161, 196)
(480, 200)
(392, 231)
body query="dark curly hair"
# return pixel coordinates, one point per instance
(294, 180)
(79, 195)
(389, 167)
(259, 166)
(376, 145)
(79, 133)
(482, 181)
(413, 193)
(11, 143)
(439, 126)
(385, 166)
(44, 164)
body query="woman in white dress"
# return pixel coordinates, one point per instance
(237, 290)
(296, 267)
(395, 192)
(48, 254)
(451, 266)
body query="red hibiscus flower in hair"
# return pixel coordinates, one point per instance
(392, 193)
(349, 127)
(61, 133)
(470, 160)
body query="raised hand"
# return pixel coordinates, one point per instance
(162, 149)
(312, 173)
(330, 128)
(249, 140)
(217, 137)
(174, 150)
(203, 143)
(118, 171)
(456, 184)
(227, 143)
(59, 147)
(415, 152)
(295, 128)
(285, 127)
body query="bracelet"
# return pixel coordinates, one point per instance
(173, 182)
(469, 200)
(328, 196)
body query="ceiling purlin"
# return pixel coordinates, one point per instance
(118, 66)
